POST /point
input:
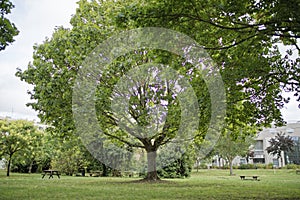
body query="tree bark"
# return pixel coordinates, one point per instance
(8, 165)
(151, 163)
(230, 166)
(30, 167)
(282, 157)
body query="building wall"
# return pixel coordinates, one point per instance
(265, 135)
(262, 142)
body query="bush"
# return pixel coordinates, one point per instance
(247, 166)
(180, 168)
(225, 166)
(260, 166)
(292, 166)
(23, 167)
(269, 166)
(201, 166)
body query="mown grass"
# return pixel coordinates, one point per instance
(205, 184)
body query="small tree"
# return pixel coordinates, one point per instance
(229, 147)
(280, 143)
(69, 156)
(16, 136)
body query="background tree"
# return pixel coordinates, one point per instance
(230, 145)
(70, 158)
(27, 160)
(17, 136)
(280, 144)
(7, 29)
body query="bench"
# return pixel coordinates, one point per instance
(297, 171)
(253, 177)
(51, 173)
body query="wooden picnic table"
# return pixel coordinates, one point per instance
(51, 173)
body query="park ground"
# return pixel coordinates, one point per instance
(204, 184)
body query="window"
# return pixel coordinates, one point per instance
(242, 161)
(290, 131)
(258, 160)
(259, 145)
(276, 162)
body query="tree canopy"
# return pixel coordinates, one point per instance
(229, 147)
(8, 30)
(17, 136)
(279, 144)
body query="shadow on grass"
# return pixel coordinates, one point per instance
(145, 181)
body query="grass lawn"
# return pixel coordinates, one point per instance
(205, 184)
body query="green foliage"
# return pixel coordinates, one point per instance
(69, 156)
(229, 145)
(243, 38)
(291, 166)
(247, 166)
(19, 139)
(180, 168)
(256, 166)
(202, 165)
(7, 29)
(280, 143)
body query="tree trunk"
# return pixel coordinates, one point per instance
(230, 166)
(104, 170)
(151, 161)
(8, 165)
(30, 167)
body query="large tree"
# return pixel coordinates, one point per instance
(8, 30)
(252, 68)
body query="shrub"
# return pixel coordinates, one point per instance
(225, 166)
(247, 166)
(180, 168)
(292, 166)
(260, 166)
(202, 166)
(269, 166)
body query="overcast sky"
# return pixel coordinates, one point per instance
(36, 19)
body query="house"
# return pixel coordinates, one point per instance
(261, 156)
(262, 142)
